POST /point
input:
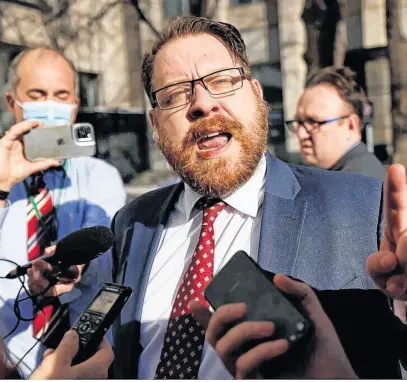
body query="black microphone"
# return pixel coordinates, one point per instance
(78, 247)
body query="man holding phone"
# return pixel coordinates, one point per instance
(44, 200)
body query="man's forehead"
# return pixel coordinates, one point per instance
(46, 70)
(183, 57)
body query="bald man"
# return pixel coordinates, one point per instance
(42, 201)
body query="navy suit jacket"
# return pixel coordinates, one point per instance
(317, 226)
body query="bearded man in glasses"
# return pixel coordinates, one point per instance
(210, 122)
(329, 122)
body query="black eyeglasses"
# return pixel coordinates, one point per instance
(309, 124)
(216, 83)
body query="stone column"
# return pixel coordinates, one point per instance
(397, 36)
(294, 70)
(378, 80)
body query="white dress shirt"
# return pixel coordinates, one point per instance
(236, 228)
(92, 193)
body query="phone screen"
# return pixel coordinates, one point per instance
(104, 302)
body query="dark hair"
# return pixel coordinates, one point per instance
(343, 79)
(179, 26)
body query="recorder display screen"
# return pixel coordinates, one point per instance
(104, 302)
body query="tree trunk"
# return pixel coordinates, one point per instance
(397, 54)
(325, 43)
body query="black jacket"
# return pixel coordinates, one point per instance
(362, 161)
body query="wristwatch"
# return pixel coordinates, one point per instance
(4, 195)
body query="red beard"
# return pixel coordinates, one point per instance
(218, 176)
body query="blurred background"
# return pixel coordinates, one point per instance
(285, 38)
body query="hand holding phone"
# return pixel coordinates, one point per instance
(316, 353)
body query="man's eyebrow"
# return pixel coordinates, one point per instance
(181, 80)
(37, 90)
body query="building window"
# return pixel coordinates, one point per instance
(236, 3)
(174, 8)
(88, 89)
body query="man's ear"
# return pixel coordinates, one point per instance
(355, 123)
(257, 87)
(153, 119)
(77, 103)
(10, 101)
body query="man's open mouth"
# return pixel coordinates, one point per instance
(213, 141)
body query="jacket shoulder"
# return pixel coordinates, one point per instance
(325, 179)
(142, 207)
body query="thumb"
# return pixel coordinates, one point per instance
(304, 294)
(42, 165)
(395, 206)
(200, 313)
(68, 347)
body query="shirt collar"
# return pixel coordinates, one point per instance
(242, 199)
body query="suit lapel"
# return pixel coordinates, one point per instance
(282, 220)
(143, 239)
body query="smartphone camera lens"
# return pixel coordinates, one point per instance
(83, 134)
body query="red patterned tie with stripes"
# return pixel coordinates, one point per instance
(183, 342)
(40, 235)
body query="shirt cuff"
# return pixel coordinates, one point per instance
(3, 213)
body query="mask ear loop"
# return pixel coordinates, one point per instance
(19, 103)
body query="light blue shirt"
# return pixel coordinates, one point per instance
(92, 193)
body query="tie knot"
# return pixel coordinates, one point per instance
(37, 183)
(211, 209)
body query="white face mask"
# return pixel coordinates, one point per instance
(50, 112)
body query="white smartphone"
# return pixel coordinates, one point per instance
(60, 142)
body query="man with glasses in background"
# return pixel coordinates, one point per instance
(329, 123)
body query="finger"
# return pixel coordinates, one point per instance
(221, 320)
(396, 287)
(41, 266)
(200, 313)
(240, 335)
(251, 360)
(41, 165)
(400, 310)
(379, 265)
(401, 253)
(98, 365)
(50, 250)
(47, 353)
(37, 283)
(303, 293)
(17, 130)
(67, 349)
(395, 205)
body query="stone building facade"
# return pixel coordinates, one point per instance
(105, 41)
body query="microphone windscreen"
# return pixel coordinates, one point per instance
(82, 246)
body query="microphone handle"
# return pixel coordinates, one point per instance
(21, 270)
(58, 271)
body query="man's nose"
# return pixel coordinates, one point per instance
(203, 104)
(302, 132)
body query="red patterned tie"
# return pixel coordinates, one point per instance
(38, 238)
(183, 342)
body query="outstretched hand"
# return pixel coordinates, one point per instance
(388, 267)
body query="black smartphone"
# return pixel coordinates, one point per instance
(242, 280)
(97, 318)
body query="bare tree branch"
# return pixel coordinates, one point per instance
(142, 17)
